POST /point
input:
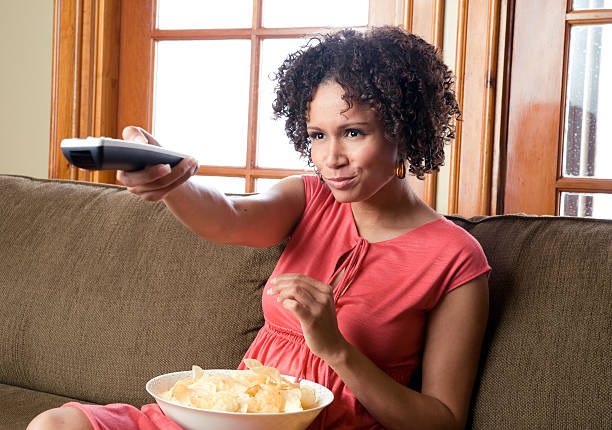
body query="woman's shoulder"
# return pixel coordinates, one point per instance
(317, 192)
(314, 186)
(447, 237)
(456, 232)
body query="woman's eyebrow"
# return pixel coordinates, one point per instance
(346, 125)
(353, 124)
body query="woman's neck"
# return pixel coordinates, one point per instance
(395, 209)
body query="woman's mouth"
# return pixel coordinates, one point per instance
(340, 182)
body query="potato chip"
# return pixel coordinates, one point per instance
(260, 369)
(308, 397)
(260, 389)
(292, 400)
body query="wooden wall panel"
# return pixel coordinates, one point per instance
(475, 81)
(534, 109)
(504, 65)
(423, 19)
(455, 151)
(136, 64)
(471, 163)
(426, 19)
(107, 77)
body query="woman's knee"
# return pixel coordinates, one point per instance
(69, 418)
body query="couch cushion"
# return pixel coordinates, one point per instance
(546, 358)
(102, 291)
(20, 405)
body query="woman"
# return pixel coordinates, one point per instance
(372, 283)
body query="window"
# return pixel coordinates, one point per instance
(586, 134)
(205, 86)
(559, 134)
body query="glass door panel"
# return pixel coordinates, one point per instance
(273, 146)
(199, 107)
(198, 14)
(591, 4)
(587, 146)
(227, 184)
(596, 205)
(315, 13)
(264, 184)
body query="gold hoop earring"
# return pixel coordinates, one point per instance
(319, 175)
(400, 169)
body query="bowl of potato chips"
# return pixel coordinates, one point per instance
(259, 398)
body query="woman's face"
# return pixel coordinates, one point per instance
(348, 146)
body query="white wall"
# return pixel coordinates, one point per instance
(26, 38)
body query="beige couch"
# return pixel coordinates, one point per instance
(100, 291)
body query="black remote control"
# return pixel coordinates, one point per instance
(103, 153)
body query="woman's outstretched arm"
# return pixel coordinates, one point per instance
(259, 220)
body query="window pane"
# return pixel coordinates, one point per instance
(225, 184)
(200, 108)
(588, 129)
(264, 184)
(596, 205)
(198, 14)
(273, 147)
(315, 13)
(592, 4)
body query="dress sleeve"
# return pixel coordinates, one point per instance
(314, 190)
(470, 262)
(459, 260)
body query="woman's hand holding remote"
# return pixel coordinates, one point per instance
(155, 182)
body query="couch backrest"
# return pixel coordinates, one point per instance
(547, 357)
(102, 291)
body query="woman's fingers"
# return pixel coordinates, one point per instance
(139, 135)
(145, 176)
(185, 167)
(297, 308)
(310, 294)
(301, 295)
(160, 193)
(298, 279)
(155, 182)
(312, 302)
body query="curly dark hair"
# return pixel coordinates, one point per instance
(399, 75)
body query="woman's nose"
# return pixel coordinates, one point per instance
(335, 154)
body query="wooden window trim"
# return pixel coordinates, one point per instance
(84, 79)
(565, 183)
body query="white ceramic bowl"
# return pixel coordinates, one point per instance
(191, 418)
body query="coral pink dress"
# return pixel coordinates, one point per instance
(382, 298)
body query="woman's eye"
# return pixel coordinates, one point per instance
(316, 136)
(353, 132)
